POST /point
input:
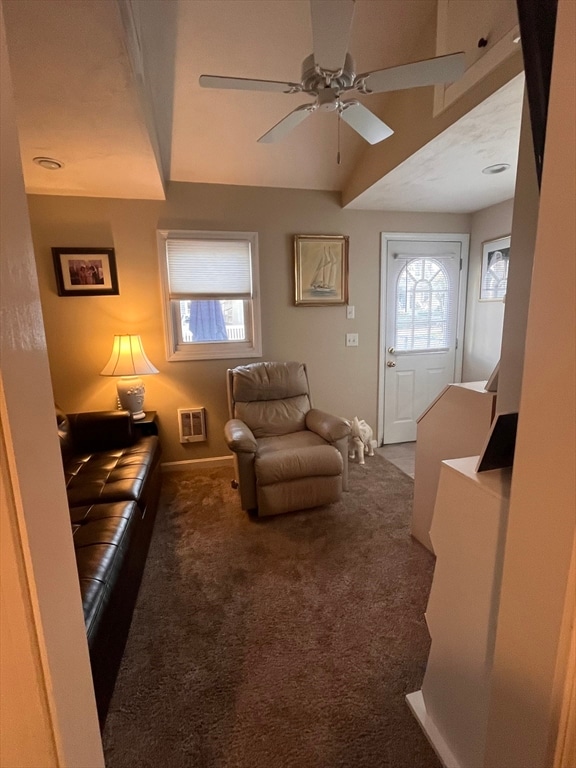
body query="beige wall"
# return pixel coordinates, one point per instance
(524, 224)
(80, 330)
(47, 708)
(529, 651)
(484, 319)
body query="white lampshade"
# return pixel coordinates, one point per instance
(128, 360)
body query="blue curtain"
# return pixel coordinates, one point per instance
(206, 321)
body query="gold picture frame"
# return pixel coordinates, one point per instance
(321, 270)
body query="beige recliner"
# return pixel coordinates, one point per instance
(289, 456)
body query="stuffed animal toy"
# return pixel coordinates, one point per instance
(360, 440)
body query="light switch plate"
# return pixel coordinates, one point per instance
(350, 310)
(351, 339)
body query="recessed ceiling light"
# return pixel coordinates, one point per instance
(49, 163)
(498, 168)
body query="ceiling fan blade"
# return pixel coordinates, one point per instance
(246, 84)
(365, 122)
(441, 69)
(283, 128)
(331, 24)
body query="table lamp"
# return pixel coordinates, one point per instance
(128, 361)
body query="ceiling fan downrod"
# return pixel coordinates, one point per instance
(339, 121)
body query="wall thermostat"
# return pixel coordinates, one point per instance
(192, 424)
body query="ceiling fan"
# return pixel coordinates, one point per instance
(329, 73)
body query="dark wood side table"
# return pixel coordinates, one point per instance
(148, 425)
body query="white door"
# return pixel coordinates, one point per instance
(422, 318)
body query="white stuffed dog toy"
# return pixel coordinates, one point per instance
(360, 440)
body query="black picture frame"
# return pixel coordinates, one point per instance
(85, 271)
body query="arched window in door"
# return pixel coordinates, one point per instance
(423, 310)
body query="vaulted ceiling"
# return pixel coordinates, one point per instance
(111, 90)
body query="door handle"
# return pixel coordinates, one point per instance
(391, 364)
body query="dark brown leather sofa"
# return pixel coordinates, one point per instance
(113, 484)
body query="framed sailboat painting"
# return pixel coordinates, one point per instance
(321, 269)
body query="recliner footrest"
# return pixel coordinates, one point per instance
(291, 464)
(296, 479)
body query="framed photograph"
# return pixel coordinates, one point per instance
(495, 262)
(321, 270)
(85, 271)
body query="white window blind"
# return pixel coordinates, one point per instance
(208, 269)
(425, 305)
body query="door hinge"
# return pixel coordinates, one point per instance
(456, 343)
(460, 263)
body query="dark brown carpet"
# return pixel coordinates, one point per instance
(288, 642)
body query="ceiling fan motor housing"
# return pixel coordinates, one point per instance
(327, 100)
(314, 79)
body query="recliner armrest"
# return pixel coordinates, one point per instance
(330, 428)
(94, 431)
(239, 437)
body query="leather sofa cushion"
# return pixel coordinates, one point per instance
(97, 431)
(292, 464)
(269, 381)
(274, 417)
(113, 475)
(93, 431)
(102, 536)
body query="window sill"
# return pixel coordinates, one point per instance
(214, 352)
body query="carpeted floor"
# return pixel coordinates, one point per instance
(288, 642)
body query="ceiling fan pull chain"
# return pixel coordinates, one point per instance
(338, 154)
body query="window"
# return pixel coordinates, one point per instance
(211, 300)
(423, 311)
(495, 280)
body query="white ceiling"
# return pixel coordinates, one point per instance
(446, 174)
(76, 100)
(79, 99)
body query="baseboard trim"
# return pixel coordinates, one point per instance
(209, 463)
(416, 703)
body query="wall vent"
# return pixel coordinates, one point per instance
(192, 424)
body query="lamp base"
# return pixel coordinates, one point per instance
(131, 395)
